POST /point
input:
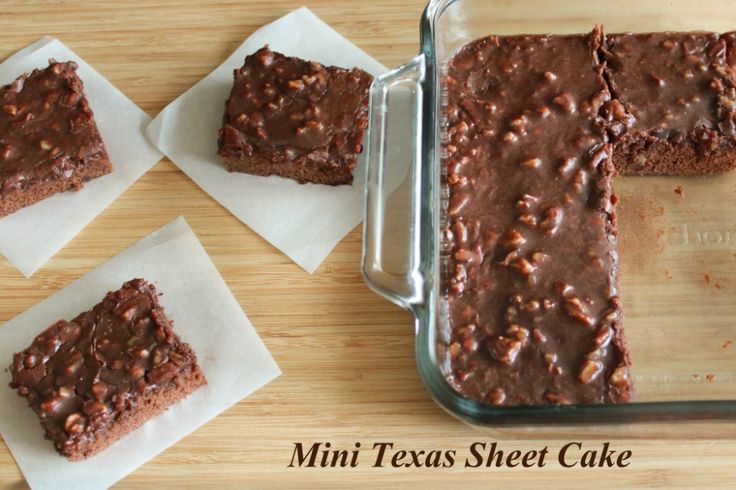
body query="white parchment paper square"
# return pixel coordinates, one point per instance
(31, 236)
(305, 221)
(205, 314)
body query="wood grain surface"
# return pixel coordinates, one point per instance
(347, 355)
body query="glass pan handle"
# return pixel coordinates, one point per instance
(394, 146)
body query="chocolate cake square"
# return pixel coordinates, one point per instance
(97, 377)
(49, 141)
(295, 118)
(674, 106)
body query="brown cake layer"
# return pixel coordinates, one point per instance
(49, 141)
(531, 247)
(535, 127)
(677, 98)
(295, 118)
(96, 378)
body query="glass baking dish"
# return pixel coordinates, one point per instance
(678, 249)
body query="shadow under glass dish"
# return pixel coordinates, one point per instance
(678, 249)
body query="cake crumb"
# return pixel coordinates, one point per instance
(679, 190)
(707, 278)
(696, 376)
(727, 343)
(719, 285)
(710, 377)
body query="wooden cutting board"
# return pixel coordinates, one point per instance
(347, 355)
